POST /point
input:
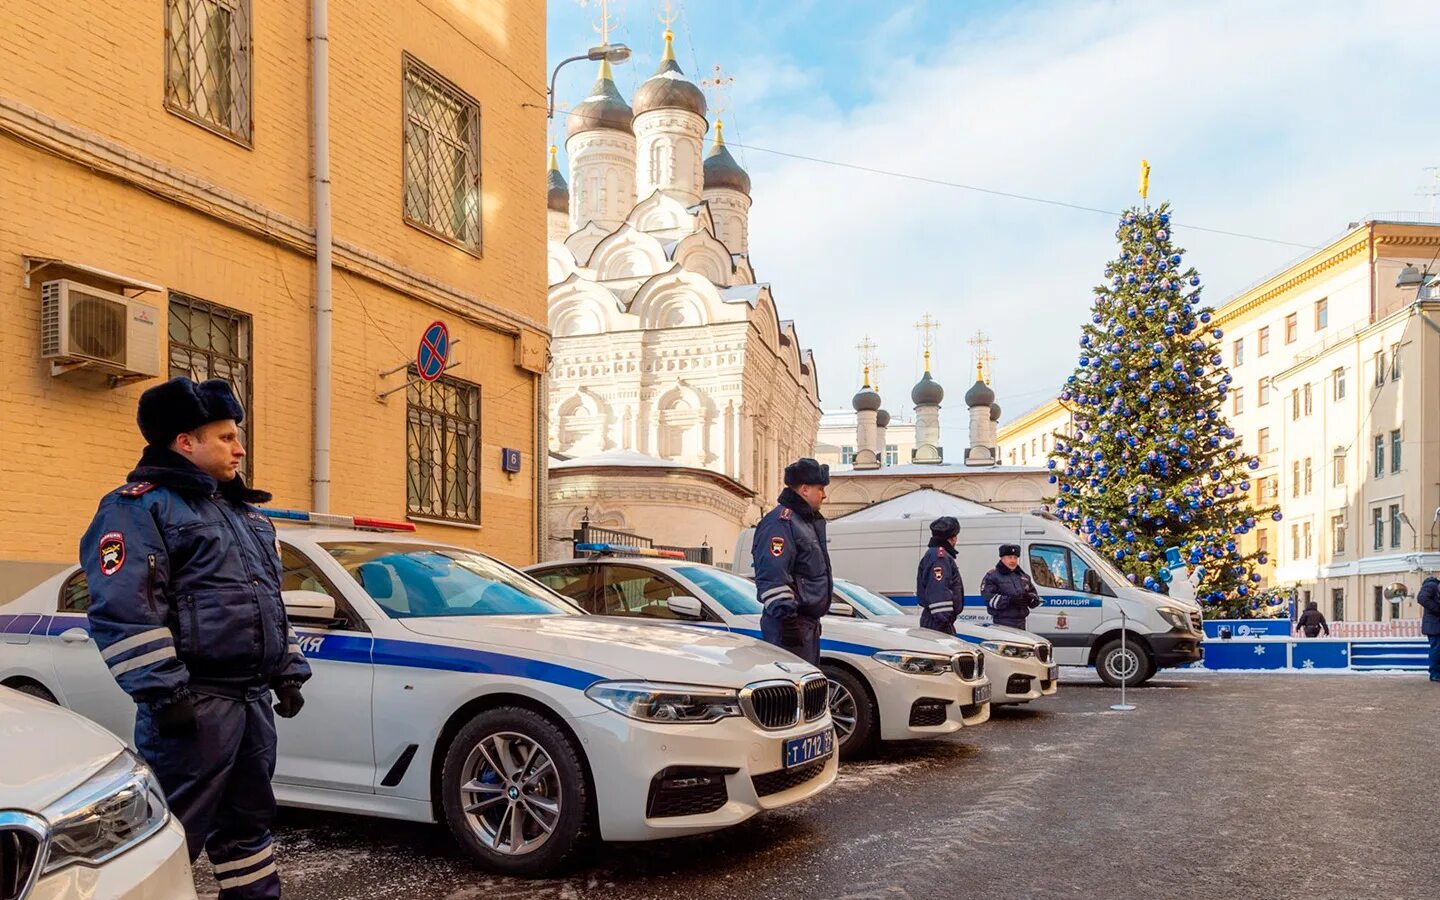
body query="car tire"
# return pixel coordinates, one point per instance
(1130, 663)
(35, 690)
(509, 775)
(857, 721)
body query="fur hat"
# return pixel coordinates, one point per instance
(806, 471)
(1009, 549)
(181, 405)
(945, 527)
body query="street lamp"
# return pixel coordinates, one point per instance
(611, 53)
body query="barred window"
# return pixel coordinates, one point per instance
(209, 341)
(207, 64)
(442, 157)
(442, 444)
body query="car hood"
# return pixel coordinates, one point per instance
(619, 648)
(49, 751)
(875, 634)
(997, 633)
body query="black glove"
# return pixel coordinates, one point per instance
(290, 700)
(790, 631)
(176, 719)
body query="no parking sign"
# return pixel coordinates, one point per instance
(434, 351)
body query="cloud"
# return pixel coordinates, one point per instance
(1274, 119)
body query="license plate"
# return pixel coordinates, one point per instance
(801, 750)
(1054, 673)
(981, 695)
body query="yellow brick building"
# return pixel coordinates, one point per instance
(163, 150)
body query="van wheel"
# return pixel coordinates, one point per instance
(514, 792)
(853, 712)
(1131, 664)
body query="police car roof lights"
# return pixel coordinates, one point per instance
(330, 520)
(606, 549)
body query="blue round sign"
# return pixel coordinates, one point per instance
(434, 352)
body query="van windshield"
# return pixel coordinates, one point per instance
(415, 580)
(872, 603)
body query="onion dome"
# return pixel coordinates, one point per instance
(721, 169)
(866, 399)
(603, 109)
(882, 419)
(927, 391)
(994, 412)
(557, 195)
(979, 395)
(668, 88)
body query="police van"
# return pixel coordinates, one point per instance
(1086, 603)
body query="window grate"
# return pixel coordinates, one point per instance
(442, 157)
(442, 443)
(208, 64)
(209, 341)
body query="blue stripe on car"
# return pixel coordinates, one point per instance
(825, 643)
(376, 651)
(1067, 602)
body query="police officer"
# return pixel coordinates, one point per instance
(792, 562)
(938, 587)
(184, 578)
(1008, 592)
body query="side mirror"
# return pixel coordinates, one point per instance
(841, 608)
(309, 606)
(686, 607)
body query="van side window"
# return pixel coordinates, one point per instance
(1049, 566)
(1086, 579)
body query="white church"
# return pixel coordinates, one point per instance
(677, 393)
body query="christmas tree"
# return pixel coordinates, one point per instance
(1152, 464)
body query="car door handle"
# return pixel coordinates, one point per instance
(75, 636)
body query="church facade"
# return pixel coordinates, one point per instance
(670, 361)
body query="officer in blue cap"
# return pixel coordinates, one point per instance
(938, 588)
(792, 562)
(184, 576)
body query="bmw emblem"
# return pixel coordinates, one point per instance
(513, 793)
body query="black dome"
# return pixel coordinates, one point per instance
(668, 88)
(557, 192)
(603, 109)
(927, 391)
(994, 412)
(882, 419)
(979, 395)
(721, 169)
(865, 400)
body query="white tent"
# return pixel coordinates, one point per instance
(924, 505)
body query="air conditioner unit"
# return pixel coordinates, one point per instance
(84, 329)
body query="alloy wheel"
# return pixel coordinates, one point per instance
(510, 790)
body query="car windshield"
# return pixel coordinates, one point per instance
(734, 593)
(424, 580)
(872, 603)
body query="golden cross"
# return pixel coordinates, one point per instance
(669, 15)
(876, 367)
(927, 326)
(983, 356)
(719, 87)
(605, 24)
(867, 355)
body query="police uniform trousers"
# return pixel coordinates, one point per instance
(217, 782)
(808, 649)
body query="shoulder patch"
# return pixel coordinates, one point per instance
(136, 488)
(785, 514)
(777, 546)
(112, 553)
(939, 574)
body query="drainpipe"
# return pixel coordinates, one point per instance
(324, 294)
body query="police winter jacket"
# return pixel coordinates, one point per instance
(1312, 621)
(1429, 600)
(1009, 595)
(184, 579)
(792, 561)
(938, 588)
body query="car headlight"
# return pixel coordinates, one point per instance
(915, 663)
(1013, 651)
(1177, 618)
(115, 809)
(650, 701)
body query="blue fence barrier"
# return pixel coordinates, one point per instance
(1269, 653)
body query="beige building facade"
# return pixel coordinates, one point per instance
(1336, 388)
(156, 167)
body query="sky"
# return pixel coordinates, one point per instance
(1283, 121)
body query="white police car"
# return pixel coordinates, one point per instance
(448, 686)
(888, 682)
(1020, 665)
